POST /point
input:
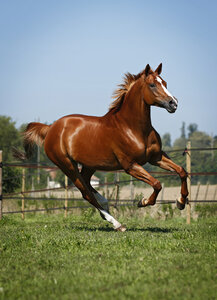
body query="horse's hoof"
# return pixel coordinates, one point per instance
(141, 203)
(180, 205)
(121, 228)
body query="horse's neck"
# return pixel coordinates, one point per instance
(135, 111)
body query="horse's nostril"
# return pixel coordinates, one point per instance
(171, 102)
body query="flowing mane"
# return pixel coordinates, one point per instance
(120, 93)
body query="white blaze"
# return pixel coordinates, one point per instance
(165, 90)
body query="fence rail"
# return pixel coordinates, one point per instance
(24, 194)
(130, 203)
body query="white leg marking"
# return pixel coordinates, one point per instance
(110, 219)
(104, 203)
(101, 200)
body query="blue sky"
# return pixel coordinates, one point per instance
(65, 57)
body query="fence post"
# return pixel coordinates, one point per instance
(132, 190)
(197, 192)
(162, 192)
(117, 179)
(33, 188)
(206, 192)
(48, 186)
(188, 167)
(22, 192)
(106, 187)
(0, 184)
(215, 192)
(66, 196)
(38, 163)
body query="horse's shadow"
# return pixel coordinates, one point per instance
(154, 229)
(135, 229)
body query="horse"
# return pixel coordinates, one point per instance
(122, 139)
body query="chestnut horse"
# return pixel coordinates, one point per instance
(121, 139)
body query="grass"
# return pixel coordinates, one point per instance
(81, 257)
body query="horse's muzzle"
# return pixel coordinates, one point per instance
(171, 105)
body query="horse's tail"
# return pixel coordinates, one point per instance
(34, 133)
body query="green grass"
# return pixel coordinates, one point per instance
(81, 257)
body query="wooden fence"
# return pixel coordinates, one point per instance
(23, 195)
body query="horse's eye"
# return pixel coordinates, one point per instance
(152, 85)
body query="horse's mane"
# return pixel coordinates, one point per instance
(120, 93)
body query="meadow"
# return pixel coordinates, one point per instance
(81, 257)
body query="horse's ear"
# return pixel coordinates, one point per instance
(159, 69)
(147, 70)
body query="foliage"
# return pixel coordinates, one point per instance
(206, 210)
(12, 178)
(192, 128)
(180, 143)
(202, 161)
(200, 140)
(9, 137)
(49, 257)
(166, 140)
(183, 134)
(60, 177)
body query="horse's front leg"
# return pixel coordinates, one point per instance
(167, 164)
(140, 173)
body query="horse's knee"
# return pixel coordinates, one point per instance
(157, 185)
(183, 174)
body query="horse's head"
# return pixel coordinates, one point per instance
(155, 90)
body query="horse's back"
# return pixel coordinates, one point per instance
(69, 128)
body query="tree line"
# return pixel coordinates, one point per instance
(202, 161)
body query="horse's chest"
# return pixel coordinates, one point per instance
(152, 152)
(145, 155)
(145, 150)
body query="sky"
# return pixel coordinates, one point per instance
(65, 57)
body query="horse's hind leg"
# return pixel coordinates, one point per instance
(86, 174)
(71, 170)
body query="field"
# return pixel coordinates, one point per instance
(81, 257)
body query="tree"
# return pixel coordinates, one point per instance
(191, 129)
(200, 139)
(181, 142)
(183, 135)
(11, 179)
(166, 140)
(9, 137)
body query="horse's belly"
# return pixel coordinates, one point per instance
(99, 162)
